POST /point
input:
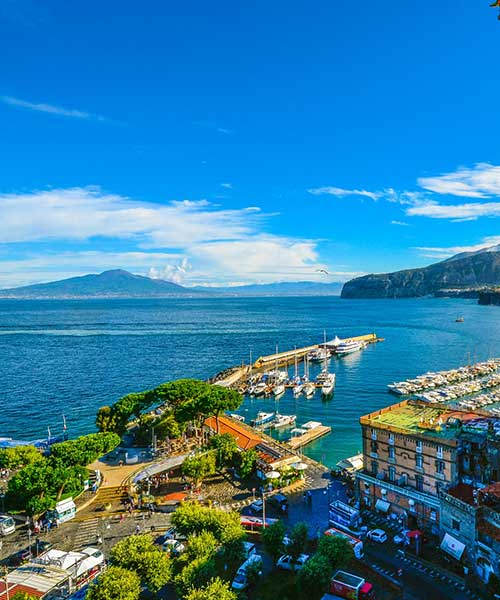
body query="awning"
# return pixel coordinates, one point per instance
(452, 546)
(382, 505)
(414, 534)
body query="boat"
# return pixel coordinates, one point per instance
(459, 319)
(237, 417)
(309, 389)
(328, 384)
(284, 421)
(318, 355)
(263, 418)
(279, 389)
(348, 347)
(260, 388)
(298, 388)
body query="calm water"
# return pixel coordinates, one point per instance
(70, 357)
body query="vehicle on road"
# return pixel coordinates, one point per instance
(240, 581)
(343, 516)
(250, 523)
(257, 505)
(173, 547)
(356, 544)
(280, 501)
(377, 535)
(287, 563)
(7, 525)
(351, 587)
(401, 538)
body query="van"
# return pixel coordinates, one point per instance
(7, 525)
(240, 581)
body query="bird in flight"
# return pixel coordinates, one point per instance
(323, 270)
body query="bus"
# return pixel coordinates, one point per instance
(356, 545)
(255, 523)
(344, 516)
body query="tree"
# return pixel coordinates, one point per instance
(298, 540)
(195, 574)
(23, 596)
(85, 449)
(138, 553)
(221, 399)
(248, 460)
(200, 545)
(314, 577)
(337, 551)
(115, 583)
(216, 589)
(191, 518)
(225, 447)
(199, 466)
(272, 537)
(20, 456)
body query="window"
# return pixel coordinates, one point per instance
(392, 452)
(374, 434)
(392, 473)
(374, 468)
(440, 466)
(419, 483)
(391, 438)
(419, 461)
(455, 524)
(418, 446)
(439, 452)
(374, 446)
(433, 515)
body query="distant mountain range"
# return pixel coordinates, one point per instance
(467, 270)
(122, 284)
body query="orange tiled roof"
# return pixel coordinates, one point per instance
(244, 436)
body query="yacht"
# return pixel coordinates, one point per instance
(328, 384)
(318, 355)
(348, 347)
(279, 389)
(309, 390)
(239, 418)
(259, 388)
(298, 388)
(263, 418)
(284, 421)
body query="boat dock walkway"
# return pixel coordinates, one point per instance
(299, 441)
(237, 375)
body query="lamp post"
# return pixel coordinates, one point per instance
(29, 542)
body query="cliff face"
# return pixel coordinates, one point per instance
(474, 270)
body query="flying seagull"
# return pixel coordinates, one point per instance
(323, 270)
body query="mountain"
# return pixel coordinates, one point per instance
(122, 284)
(465, 270)
(110, 284)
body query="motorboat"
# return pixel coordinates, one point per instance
(263, 418)
(348, 347)
(279, 389)
(318, 355)
(309, 390)
(260, 388)
(236, 417)
(328, 384)
(284, 421)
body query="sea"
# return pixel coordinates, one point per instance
(69, 357)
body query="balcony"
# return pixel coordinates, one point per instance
(408, 492)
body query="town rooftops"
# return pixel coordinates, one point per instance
(33, 579)
(420, 418)
(245, 437)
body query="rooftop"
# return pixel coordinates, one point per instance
(414, 417)
(245, 436)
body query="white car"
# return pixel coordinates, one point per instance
(377, 535)
(400, 538)
(174, 547)
(256, 506)
(286, 562)
(240, 581)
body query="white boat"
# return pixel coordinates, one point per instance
(279, 389)
(318, 355)
(237, 417)
(328, 384)
(263, 418)
(348, 347)
(309, 390)
(259, 388)
(298, 388)
(284, 421)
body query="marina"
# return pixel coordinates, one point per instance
(309, 432)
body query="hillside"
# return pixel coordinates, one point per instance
(466, 270)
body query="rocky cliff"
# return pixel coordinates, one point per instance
(462, 271)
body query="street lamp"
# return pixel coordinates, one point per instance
(270, 475)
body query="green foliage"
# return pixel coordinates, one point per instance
(201, 545)
(314, 577)
(298, 540)
(85, 449)
(216, 589)
(115, 418)
(199, 466)
(22, 456)
(247, 460)
(191, 518)
(337, 551)
(23, 596)
(195, 574)
(115, 583)
(233, 553)
(226, 448)
(253, 572)
(138, 553)
(272, 538)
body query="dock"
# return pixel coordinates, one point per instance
(299, 441)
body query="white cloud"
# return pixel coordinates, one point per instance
(228, 186)
(440, 252)
(481, 181)
(341, 192)
(51, 109)
(400, 223)
(457, 212)
(171, 272)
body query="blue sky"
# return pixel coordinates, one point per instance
(232, 142)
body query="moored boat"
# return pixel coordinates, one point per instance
(284, 421)
(348, 347)
(263, 418)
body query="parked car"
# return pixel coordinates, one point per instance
(401, 538)
(377, 535)
(240, 581)
(256, 505)
(170, 534)
(288, 564)
(173, 547)
(280, 501)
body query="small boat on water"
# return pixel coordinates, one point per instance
(260, 388)
(328, 384)
(279, 389)
(309, 389)
(318, 355)
(348, 347)
(284, 421)
(263, 418)
(298, 388)
(459, 319)
(237, 417)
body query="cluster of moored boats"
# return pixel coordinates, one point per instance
(273, 420)
(336, 347)
(482, 401)
(466, 388)
(430, 381)
(275, 383)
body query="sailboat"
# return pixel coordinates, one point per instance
(325, 378)
(298, 386)
(309, 388)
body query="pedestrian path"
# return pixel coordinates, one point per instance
(86, 534)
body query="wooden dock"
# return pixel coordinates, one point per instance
(300, 441)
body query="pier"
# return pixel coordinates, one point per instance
(299, 441)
